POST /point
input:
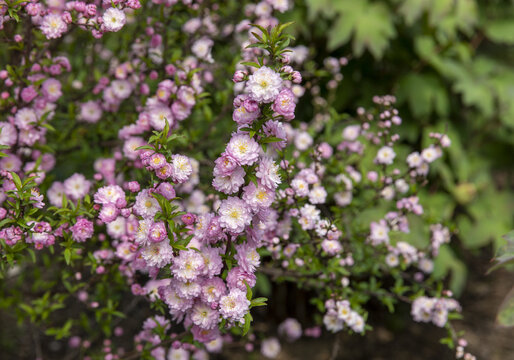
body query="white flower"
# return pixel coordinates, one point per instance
(159, 115)
(318, 195)
(264, 85)
(302, 141)
(202, 49)
(445, 141)
(25, 118)
(53, 26)
(343, 310)
(385, 155)
(280, 5)
(234, 214)
(181, 168)
(379, 233)
(392, 260)
(178, 354)
(117, 228)
(121, 88)
(343, 198)
(332, 322)
(270, 348)
(388, 193)
(146, 205)
(143, 228)
(351, 132)
(113, 19)
(430, 154)
(414, 160)
(158, 254)
(401, 185)
(7, 134)
(76, 186)
(300, 186)
(357, 322)
(426, 265)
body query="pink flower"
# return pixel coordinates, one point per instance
(237, 277)
(109, 213)
(157, 232)
(276, 129)
(157, 161)
(234, 215)
(291, 329)
(130, 147)
(146, 205)
(247, 257)
(158, 254)
(264, 85)
(110, 194)
(212, 260)
(180, 110)
(164, 172)
(285, 104)
(76, 186)
(159, 114)
(213, 289)
(188, 265)
(225, 165)
(267, 173)
(235, 305)
(82, 230)
(53, 26)
(181, 168)
(90, 112)
(204, 316)
(51, 89)
(243, 149)
(239, 76)
(186, 95)
(204, 335)
(8, 134)
(113, 19)
(25, 118)
(28, 94)
(258, 197)
(166, 189)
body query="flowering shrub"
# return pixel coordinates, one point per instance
(126, 188)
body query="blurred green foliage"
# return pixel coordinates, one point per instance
(449, 62)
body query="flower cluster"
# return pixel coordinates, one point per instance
(55, 19)
(110, 172)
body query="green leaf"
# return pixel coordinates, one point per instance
(370, 23)
(67, 256)
(413, 9)
(248, 322)
(17, 181)
(249, 293)
(500, 31)
(261, 301)
(424, 94)
(505, 254)
(505, 315)
(250, 63)
(445, 263)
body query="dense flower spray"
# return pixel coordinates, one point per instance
(188, 232)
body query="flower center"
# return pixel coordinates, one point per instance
(234, 214)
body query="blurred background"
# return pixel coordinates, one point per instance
(450, 63)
